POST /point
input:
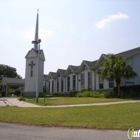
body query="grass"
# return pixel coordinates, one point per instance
(72, 100)
(121, 116)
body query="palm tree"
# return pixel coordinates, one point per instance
(115, 67)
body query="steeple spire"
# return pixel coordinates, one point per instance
(36, 31)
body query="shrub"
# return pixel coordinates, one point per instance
(22, 98)
(108, 94)
(72, 93)
(17, 92)
(83, 90)
(128, 91)
(89, 94)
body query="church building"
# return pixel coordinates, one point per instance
(84, 76)
(73, 78)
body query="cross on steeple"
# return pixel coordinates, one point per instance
(32, 65)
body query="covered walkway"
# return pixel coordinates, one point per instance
(11, 82)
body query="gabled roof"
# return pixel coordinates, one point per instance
(129, 53)
(60, 72)
(33, 54)
(72, 68)
(88, 64)
(51, 75)
(94, 64)
(103, 56)
(125, 54)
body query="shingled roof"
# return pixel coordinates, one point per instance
(74, 68)
(62, 71)
(129, 53)
(53, 74)
(90, 63)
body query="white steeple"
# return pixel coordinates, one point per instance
(36, 32)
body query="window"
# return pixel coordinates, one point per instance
(57, 85)
(101, 86)
(89, 80)
(52, 86)
(74, 82)
(62, 84)
(31, 71)
(68, 83)
(49, 86)
(111, 83)
(82, 79)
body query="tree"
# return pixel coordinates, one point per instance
(115, 67)
(8, 71)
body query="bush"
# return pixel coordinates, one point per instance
(72, 93)
(89, 94)
(128, 91)
(17, 92)
(83, 90)
(22, 98)
(108, 94)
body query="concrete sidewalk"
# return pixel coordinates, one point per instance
(16, 102)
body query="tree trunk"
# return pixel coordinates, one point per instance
(119, 90)
(118, 81)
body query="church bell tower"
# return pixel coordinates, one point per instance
(34, 71)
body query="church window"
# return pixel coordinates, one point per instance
(101, 85)
(31, 70)
(62, 84)
(89, 80)
(111, 83)
(49, 86)
(52, 86)
(74, 82)
(82, 79)
(57, 85)
(68, 83)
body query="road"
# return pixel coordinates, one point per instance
(25, 132)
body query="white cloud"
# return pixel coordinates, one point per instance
(101, 24)
(43, 34)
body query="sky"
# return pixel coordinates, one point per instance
(71, 30)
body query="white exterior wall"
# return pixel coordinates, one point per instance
(134, 62)
(30, 82)
(106, 84)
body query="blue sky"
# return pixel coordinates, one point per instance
(71, 30)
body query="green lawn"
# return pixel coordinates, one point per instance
(121, 116)
(72, 100)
